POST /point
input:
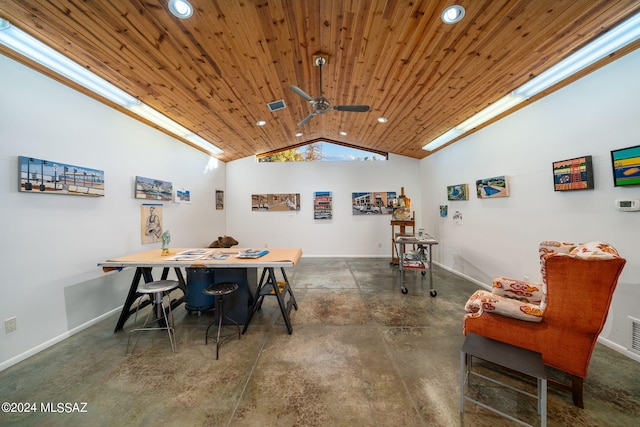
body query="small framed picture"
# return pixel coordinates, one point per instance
(219, 200)
(573, 174)
(458, 192)
(491, 188)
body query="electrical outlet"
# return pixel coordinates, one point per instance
(10, 325)
(526, 278)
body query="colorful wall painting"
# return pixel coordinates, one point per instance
(183, 196)
(322, 205)
(275, 202)
(373, 203)
(491, 188)
(573, 174)
(153, 189)
(47, 176)
(626, 166)
(458, 192)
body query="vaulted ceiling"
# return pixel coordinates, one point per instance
(215, 72)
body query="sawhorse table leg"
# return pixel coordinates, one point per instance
(268, 286)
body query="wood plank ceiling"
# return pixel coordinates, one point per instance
(215, 72)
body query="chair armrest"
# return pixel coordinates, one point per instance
(483, 301)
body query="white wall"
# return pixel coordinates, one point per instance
(344, 235)
(51, 244)
(592, 116)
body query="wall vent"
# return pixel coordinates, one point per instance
(276, 105)
(635, 335)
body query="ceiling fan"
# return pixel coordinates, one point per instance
(321, 104)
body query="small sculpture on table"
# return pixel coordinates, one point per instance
(166, 238)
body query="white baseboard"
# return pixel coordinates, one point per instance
(464, 276)
(619, 348)
(37, 349)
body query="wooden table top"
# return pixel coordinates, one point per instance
(276, 257)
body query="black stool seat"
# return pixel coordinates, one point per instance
(220, 290)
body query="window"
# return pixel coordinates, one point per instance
(323, 150)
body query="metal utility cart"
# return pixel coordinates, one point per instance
(419, 259)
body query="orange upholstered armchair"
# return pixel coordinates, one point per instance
(561, 317)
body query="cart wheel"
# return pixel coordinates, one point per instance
(404, 290)
(423, 273)
(433, 293)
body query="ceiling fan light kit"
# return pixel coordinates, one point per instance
(321, 105)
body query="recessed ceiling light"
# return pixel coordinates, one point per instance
(452, 14)
(343, 133)
(261, 123)
(299, 134)
(383, 119)
(180, 8)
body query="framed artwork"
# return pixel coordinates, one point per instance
(151, 223)
(491, 188)
(573, 174)
(46, 176)
(626, 166)
(153, 189)
(275, 202)
(183, 196)
(401, 209)
(373, 203)
(219, 200)
(322, 205)
(444, 210)
(458, 192)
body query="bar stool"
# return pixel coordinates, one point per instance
(156, 291)
(219, 291)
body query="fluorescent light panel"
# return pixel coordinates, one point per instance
(152, 115)
(615, 39)
(26, 45)
(495, 109)
(33, 49)
(449, 135)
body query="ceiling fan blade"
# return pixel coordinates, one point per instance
(354, 108)
(306, 119)
(302, 93)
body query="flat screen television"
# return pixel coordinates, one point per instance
(626, 166)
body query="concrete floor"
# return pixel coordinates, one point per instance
(361, 354)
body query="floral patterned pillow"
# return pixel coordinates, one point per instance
(595, 251)
(519, 290)
(484, 301)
